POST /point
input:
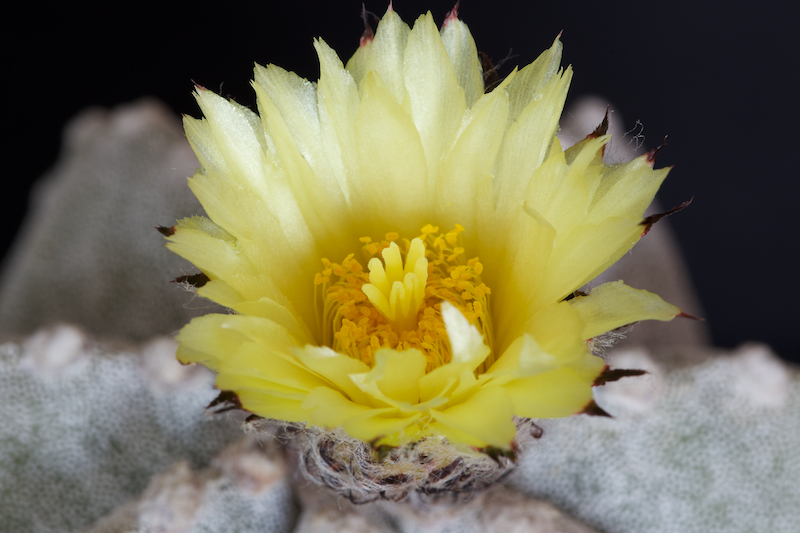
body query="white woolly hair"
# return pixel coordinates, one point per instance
(428, 470)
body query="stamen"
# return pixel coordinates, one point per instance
(398, 303)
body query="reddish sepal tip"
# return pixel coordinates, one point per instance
(687, 315)
(452, 15)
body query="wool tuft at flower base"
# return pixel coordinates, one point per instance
(402, 248)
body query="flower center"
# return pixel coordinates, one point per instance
(397, 304)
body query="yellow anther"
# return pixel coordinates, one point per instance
(396, 302)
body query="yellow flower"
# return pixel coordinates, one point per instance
(401, 249)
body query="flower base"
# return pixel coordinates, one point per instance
(428, 470)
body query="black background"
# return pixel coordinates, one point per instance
(719, 78)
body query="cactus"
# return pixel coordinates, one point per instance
(111, 436)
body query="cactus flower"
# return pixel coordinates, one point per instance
(401, 248)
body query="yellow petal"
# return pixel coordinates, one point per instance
(272, 310)
(581, 256)
(470, 160)
(523, 358)
(614, 304)
(391, 153)
(626, 189)
(270, 406)
(467, 343)
(384, 55)
(437, 102)
(528, 84)
(328, 408)
(484, 419)
(528, 140)
(267, 361)
(463, 53)
(395, 375)
(318, 197)
(204, 341)
(560, 392)
(456, 378)
(337, 100)
(335, 367)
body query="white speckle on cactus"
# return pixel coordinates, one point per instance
(704, 458)
(761, 377)
(81, 443)
(165, 374)
(51, 353)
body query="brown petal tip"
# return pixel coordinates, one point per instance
(166, 231)
(226, 401)
(648, 222)
(368, 34)
(602, 129)
(650, 157)
(195, 280)
(609, 375)
(592, 409)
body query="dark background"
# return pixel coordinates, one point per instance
(722, 82)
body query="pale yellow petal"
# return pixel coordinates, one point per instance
(384, 55)
(272, 310)
(335, 367)
(514, 267)
(470, 160)
(626, 189)
(588, 367)
(614, 304)
(466, 341)
(463, 53)
(583, 255)
(319, 198)
(528, 141)
(437, 101)
(203, 340)
(469, 350)
(338, 101)
(390, 153)
(395, 375)
(527, 86)
(224, 260)
(523, 358)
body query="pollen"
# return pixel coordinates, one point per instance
(396, 302)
